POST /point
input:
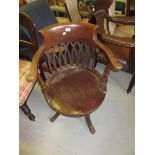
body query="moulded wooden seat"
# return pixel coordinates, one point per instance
(75, 91)
(126, 31)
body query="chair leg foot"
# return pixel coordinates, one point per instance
(89, 124)
(27, 112)
(131, 84)
(52, 119)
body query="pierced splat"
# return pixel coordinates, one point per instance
(70, 54)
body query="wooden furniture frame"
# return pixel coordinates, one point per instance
(27, 46)
(25, 88)
(79, 7)
(71, 84)
(72, 9)
(27, 22)
(24, 66)
(100, 11)
(129, 3)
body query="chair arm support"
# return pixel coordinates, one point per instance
(113, 61)
(120, 41)
(32, 76)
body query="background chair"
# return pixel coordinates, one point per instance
(28, 43)
(36, 12)
(125, 7)
(121, 42)
(72, 86)
(80, 10)
(58, 7)
(25, 86)
(72, 8)
(40, 13)
(41, 16)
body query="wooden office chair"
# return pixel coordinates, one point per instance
(25, 46)
(71, 84)
(121, 42)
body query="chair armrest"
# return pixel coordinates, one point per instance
(120, 41)
(116, 19)
(113, 61)
(32, 76)
(26, 43)
(124, 20)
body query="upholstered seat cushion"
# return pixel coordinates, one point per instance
(75, 91)
(25, 86)
(120, 52)
(126, 31)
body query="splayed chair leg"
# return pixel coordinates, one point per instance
(27, 112)
(89, 123)
(52, 119)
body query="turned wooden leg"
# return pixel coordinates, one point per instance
(27, 112)
(89, 123)
(52, 119)
(131, 84)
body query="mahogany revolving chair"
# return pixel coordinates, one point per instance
(71, 84)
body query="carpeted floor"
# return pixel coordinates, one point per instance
(114, 122)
